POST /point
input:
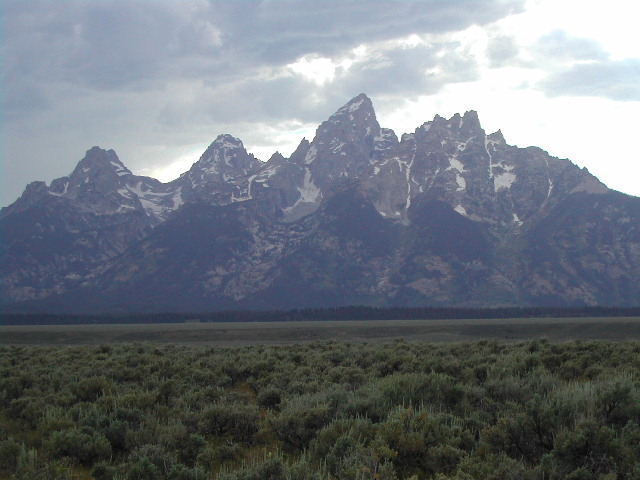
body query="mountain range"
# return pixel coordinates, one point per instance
(444, 216)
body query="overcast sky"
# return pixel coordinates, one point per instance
(158, 80)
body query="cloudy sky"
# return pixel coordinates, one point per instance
(158, 80)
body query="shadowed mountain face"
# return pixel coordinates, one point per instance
(446, 215)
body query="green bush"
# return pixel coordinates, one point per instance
(84, 445)
(269, 398)
(9, 453)
(89, 389)
(103, 471)
(590, 448)
(239, 422)
(300, 420)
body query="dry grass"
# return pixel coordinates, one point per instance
(234, 333)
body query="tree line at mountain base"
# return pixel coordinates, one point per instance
(327, 410)
(319, 314)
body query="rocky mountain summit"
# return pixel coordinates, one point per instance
(447, 215)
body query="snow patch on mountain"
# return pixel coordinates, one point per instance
(177, 199)
(267, 173)
(309, 193)
(407, 168)
(124, 192)
(461, 210)
(550, 190)
(60, 194)
(487, 143)
(356, 105)
(457, 166)
(349, 108)
(249, 183)
(460, 146)
(503, 180)
(307, 202)
(121, 170)
(311, 155)
(154, 203)
(336, 146)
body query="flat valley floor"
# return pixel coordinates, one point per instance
(281, 333)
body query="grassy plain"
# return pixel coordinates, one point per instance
(281, 333)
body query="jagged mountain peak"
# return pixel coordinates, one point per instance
(354, 120)
(276, 157)
(33, 193)
(99, 173)
(471, 115)
(497, 137)
(36, 187)
(224, 148)
(100, 161)
(344, 145)
(358, 105)
(301, 150)
(227, 141)
(225, 159)
(469, 122)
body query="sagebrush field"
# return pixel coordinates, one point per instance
(322, 410)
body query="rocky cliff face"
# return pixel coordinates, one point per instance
(446, 215)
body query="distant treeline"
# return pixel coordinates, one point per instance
(321, 314)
